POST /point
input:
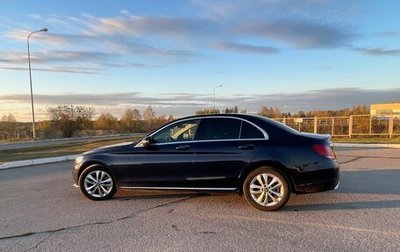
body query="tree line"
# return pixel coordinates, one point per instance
(274, 112)
(70, 120)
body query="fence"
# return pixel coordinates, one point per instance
(347, 126)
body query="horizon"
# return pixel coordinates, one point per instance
(307, 55)
(284, 114)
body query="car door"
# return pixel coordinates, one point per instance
(165, 161)
(224, 147)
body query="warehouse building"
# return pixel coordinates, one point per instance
(385, 109)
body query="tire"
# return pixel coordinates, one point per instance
(266, 196)
(97, 183)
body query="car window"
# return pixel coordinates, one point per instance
(177, 132)
(250, 132)
(219, 128)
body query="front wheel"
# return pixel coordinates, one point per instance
(266, 189)
(96, 183)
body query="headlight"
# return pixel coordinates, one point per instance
(79, 159)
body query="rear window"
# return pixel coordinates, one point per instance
(279, 125)
(218, 128)
(250, 132)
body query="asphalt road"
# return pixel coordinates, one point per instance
(41, 211)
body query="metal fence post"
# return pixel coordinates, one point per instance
(350, 126)
(390, 126)
(315, 125)
(333, 126)
(370, 124)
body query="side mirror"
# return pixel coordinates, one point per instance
(146, 142)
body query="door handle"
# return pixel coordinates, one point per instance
(247, 147)
(183, 147)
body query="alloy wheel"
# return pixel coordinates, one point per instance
(267, 189)
(98, 184)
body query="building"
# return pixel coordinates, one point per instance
(385, 109)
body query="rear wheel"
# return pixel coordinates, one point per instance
(96, 183)
(266, 189)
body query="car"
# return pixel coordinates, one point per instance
(258, 157)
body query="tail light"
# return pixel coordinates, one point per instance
(324, 150)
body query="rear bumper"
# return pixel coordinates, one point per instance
(317, 181)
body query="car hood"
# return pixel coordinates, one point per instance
(115, 148)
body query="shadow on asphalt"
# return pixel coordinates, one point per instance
(150, 194)
(382, 185)
(371, 181)
(382, 204)
(377, 183)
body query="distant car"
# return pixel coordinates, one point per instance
(259, 157)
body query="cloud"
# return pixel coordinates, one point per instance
(325, 99)
(103, 49)
(378, 51)
(99, 61)
(237, 47)
(104, 99)
(299, 33)
(136, 26)
(126, 45)
(49, 61)
(55, 56)
(182, 104)
(80, 70)
(267, 26)
(164, 40)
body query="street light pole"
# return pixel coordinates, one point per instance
(214, 96)
(30, 82)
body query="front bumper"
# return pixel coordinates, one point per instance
(75, 173)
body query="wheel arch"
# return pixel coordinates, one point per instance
(95, 163)
(266, 163)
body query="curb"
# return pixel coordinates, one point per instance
(355, 145)
(24, 163)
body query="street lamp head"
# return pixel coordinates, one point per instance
(44, 30)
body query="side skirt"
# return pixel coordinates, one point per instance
(180, 188)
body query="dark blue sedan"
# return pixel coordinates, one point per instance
(259, 157)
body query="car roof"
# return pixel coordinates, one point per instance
(243, 116)
(261, 121)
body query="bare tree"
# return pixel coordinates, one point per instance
(272, 112)
(131, 120)
(207, 111)
(149, 114)
(70, 118)
(106, 121)
(232, 110)
(8, 127)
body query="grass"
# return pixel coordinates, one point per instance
(56, 150)
(367, 140)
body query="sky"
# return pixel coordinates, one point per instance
(113, 55)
